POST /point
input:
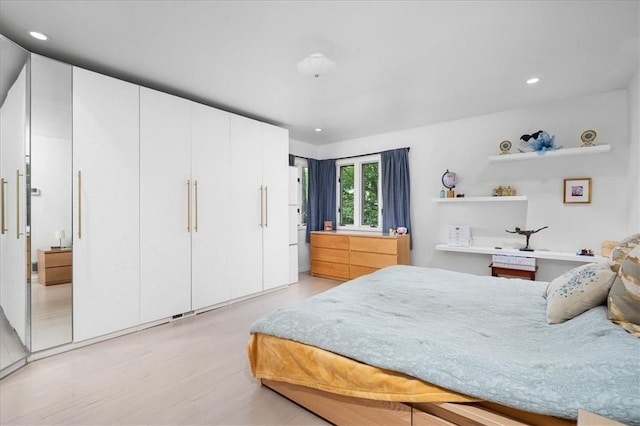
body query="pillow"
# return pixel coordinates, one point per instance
(578, 290)
(624, 297)
(620, 251)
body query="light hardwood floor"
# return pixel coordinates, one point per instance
(191, 371)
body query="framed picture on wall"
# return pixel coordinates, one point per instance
(577, 191)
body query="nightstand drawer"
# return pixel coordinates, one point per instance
(55, 259)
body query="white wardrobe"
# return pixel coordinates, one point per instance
(106, 240)
(182, 206)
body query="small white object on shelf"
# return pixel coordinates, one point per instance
(562, 152)
(480, 199)
(459, 236)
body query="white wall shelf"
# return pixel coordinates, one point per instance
(480, 199)
(562, 152)
(538, 254)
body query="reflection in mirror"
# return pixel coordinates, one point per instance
(50, 167)
(14, 64)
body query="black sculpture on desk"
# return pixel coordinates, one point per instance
(527, 234)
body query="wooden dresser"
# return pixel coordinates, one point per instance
(54, 266)
(343, 256)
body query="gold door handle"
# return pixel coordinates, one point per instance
(266, 206)
(79, 204)
(18, 176)
(3, 229)
(261, 206)
(195, 187)
(188, 205)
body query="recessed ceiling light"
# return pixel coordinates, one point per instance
(39, 35)
(318, 129)
(533, 80)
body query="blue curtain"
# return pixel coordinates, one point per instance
(322, 194)
(396, 190)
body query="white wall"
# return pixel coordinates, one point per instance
(634, 154)
(464, 145)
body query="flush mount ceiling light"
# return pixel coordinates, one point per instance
(533, 80)
(316, 64)
(318, 129)
(38, 35)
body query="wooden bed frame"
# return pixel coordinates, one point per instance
(343, 410)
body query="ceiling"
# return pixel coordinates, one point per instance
(400, 64)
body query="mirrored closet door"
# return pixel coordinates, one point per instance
(50, 163)
(14, 232)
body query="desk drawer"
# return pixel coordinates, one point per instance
(328, 269)
(330, 255)
(374, 245)
(373, 260)
(332, 241)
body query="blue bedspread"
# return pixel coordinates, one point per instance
(482, 336)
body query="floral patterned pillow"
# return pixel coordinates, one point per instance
(578, 290)
(624, 297)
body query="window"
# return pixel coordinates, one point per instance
(303, 190)
(358, 188)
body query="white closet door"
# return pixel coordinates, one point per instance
(165, 226)
(210, 170)
(275, 177)
(245, 228)
(106, 205)
(13, 298)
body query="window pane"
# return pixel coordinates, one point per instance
(304, 183)
(370, 194)
(346, 195)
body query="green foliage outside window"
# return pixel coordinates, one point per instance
(370, 194)
(346, 195)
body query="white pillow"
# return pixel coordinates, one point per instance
(578, 290)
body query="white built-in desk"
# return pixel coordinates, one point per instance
(538, 254)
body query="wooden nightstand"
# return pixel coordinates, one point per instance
(54, 266)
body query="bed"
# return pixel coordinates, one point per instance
(420, 344)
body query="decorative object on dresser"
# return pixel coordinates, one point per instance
(526, 234)
(54, 266)
(577, 191)
(343, 256)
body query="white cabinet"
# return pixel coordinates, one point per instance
(275, 179)
(165, 205)
(106, 244)
(185, 197)
(259, 202)
(212, 216)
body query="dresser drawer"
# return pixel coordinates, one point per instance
(328, 269)
(373, 260)
(332, 241)
(358, 271)
(330, 255)
(374, 245)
